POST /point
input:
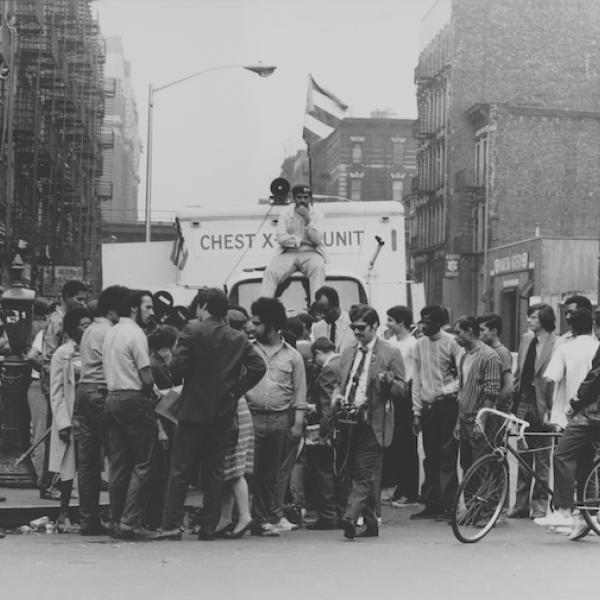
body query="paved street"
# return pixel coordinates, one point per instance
(409, 560)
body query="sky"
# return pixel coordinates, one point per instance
(221, 137)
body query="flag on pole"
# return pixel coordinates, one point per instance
(324, 111)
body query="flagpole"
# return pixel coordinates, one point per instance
(310, 179)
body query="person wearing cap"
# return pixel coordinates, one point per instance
(301, 248)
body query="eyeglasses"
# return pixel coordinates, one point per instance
(357, 327)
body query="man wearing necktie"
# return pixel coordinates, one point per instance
(535, 352)
(371, 374)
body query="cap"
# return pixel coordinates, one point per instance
(301, 190)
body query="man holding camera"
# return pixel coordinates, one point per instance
(371, 373)
(300, 238)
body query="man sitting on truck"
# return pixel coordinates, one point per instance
(301, 248)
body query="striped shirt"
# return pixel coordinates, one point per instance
(505, 357)
(479, 378)
(434, 369)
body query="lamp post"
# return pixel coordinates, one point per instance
(260, 70)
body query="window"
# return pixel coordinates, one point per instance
(397, 152)
(397, 188)
(481, 159)
(356, 153)
(355, 189)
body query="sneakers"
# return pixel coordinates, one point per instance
(579, 530)
(284, 525)
(555, 519)
(265, 530)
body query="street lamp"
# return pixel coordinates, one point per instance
(259, 69)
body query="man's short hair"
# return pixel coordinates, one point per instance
(330, 293)
(546, 315)
(322, 344)
(132, 300)
(365, 313)
(294, 324)
(237, 319)
(435, 313)
(581, 321)
(164, 336)
(306, 319)
(110, 298)
(491, 321)
(270, 311)
(580, 301)
(401, 314)
(469, 324)
(216, 303)
(72, 319)
(72, 288)
(199, 300)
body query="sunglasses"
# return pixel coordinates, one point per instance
(356, 327)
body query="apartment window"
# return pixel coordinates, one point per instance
(355, 189)
(481, 160)
(397, 152)
(356, 153)
(397, 190)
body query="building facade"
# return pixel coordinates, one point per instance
(51, 111)
(365, 159)
(508, 100)
(120, 138)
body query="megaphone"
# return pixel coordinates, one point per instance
(280, 189)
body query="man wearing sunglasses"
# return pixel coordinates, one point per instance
(300, 238)
(371, 375)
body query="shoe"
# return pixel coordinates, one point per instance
(404, 502)
(126, 532)
(206, 536)
(427, 513)
(171, 535)
(284, 525)
(517, 514)
(236, 535)
(49, 493)
(93, 530)
(349, 528)
(264, 530)
(579, 530)
(322, 525)
(554, 519)
(220, 533)
(366, 532)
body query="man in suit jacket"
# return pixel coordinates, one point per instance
(218, 365)
(535, 351)
(319, 452)
(370, 374)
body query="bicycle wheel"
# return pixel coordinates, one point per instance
(590, 501)
(479, 499)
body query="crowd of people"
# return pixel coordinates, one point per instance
(309, 421)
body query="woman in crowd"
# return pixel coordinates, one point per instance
(65, 369)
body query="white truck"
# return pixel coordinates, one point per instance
(229, 247)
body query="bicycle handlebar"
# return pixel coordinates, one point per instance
(523, 425)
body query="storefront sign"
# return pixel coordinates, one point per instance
(452, 265)
(514, 262)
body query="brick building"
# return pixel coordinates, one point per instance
(365, 159)
(508, 128)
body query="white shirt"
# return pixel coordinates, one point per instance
(569, 364)
(124, 354)
(361, 391)
(407, 347)
(37, 345)
(344, 338)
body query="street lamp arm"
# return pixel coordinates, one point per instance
(262, 70)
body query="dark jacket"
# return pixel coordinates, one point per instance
(218, 365)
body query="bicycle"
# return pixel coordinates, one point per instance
(481, 495)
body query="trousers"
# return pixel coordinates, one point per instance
(282, 266)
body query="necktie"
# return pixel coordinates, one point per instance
(528, 372)
(357, 374)
(332, 333)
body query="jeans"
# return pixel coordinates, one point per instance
(319, 459)
(90, 405)
(38, 409)
(539, 459)
(133, 441)
(441, 453)
(271, 444)
(195, 444)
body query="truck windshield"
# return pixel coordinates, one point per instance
(294, 297)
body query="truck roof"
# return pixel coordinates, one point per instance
(252, 211)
